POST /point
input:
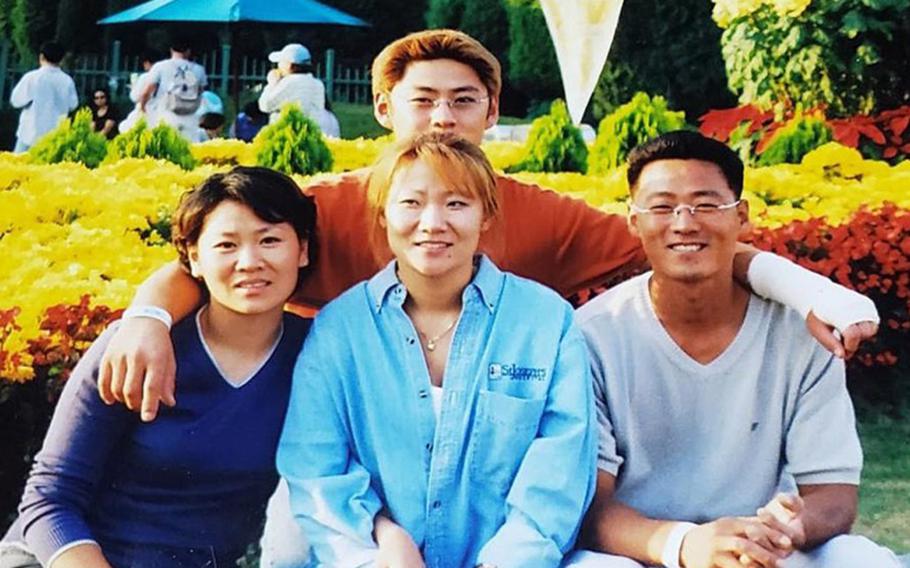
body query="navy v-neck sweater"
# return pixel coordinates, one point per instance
(188, 489)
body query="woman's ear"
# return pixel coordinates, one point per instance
(193, 257)
(487, 223)
(304, 253)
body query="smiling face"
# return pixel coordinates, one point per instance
(433, 228)
(683, 246)
(407, 112)
(249, 266)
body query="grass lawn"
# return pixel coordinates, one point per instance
(357, 121)
(884, 502)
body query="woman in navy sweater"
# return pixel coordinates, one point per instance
(189, 489)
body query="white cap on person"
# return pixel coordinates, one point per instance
(291, 53)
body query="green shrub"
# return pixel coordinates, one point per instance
(74, 140)
(845, 56)
(795, 139)
(161, 143)
(633, 123)
(293, 145)
(554, 144)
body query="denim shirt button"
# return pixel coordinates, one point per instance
(411, 341)
(422, 393)
(437, 504)
(429, 447)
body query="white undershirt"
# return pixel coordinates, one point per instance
(436, 394)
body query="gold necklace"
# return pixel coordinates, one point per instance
(431, 342)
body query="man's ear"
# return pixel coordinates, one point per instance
(745, 226)
(632, 222)
(382, 108)
(493, 112)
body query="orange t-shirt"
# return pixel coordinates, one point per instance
(554, 239)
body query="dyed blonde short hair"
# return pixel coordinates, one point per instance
(461, 165)
(392, 62)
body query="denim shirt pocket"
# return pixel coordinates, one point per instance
(503, 430)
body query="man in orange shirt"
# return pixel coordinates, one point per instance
(432, 80)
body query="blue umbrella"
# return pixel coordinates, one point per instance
(286, 11)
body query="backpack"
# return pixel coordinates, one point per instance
(185, 93)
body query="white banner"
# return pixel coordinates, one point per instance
(582, 32)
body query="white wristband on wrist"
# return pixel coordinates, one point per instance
(776, 278)
(669, 558)
(153, 312)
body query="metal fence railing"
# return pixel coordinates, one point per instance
(344, 83)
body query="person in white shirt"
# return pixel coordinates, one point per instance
(328, 122)
(45, 95)
(173, 91)
(727, 436)
(292, 81)
(138, 84)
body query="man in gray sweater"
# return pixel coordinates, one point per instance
(727, 437)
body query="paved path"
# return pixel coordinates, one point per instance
(905, 559)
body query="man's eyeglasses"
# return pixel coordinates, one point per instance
(460, 103)
(699, 210)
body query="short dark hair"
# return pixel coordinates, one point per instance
(273, 197)
(150, 55)
(211, 120)
(180, 43)
(52, 51)
(306, 67)
(686, 145)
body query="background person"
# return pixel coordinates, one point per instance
(292, 82)
(173, 91)
(138, 84)
(249, 122)
(328, 122)
(710, 399)
(429, 404)
(45, 95)
(211, 117)
(190, 489)
(104, 116)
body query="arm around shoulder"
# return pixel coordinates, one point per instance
(572, 245)
(138, 366)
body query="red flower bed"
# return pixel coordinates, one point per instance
(885, 136)
(870, 254)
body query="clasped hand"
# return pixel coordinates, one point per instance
(762, 541)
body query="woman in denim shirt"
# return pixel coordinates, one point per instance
(441, 412)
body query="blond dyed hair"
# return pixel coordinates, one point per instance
(461, 165)
(392, 62)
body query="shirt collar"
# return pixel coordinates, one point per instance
(385, 287)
